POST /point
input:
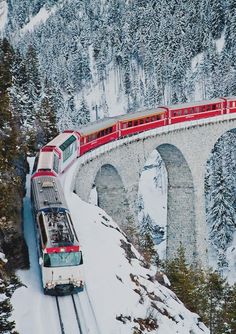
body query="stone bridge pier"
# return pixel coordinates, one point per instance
(185, 149)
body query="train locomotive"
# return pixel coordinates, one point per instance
(59, 250)
(60, 256)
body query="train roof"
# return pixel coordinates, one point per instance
(47, 193)
(194, 104)
(61, 139)
(97, 126)
(144, 113)
(45, 160)
(59, 230)
(110, 121)
(231, 98)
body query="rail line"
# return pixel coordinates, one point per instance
(67, 325)
(76, 314)
(59, 315)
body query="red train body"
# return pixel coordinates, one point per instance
(55, 157)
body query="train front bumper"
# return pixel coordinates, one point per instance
(62, 289)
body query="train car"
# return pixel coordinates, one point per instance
(97, 134)
(135, 122)
(196, 110)
(60, 256)
(46, 162)
(230, 104)
(55, 157)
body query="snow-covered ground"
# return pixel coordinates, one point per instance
(3, 14)
(121, 291)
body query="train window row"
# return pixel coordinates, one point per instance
(99, 134)
(232, 104)
(55, 163)
(42, 229)
(193, 110)
(141, 121)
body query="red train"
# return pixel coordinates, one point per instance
(55, 157)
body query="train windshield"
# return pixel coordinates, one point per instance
(63, 259)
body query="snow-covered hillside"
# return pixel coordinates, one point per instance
(122, 56)
(123, 293)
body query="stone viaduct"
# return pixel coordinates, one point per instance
(115, 170)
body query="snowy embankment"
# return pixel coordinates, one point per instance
(123, 293)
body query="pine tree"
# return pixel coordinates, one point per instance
(6, 65)
(215, 292)
(83, 114)
(216, 17)
(181, 278)
(222, 215)
(229, 310)
(146, 242)
(46, 122)
(33, 76)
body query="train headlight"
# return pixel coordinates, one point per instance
(50, 285)
(78, 283)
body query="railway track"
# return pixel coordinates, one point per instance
(68, 315)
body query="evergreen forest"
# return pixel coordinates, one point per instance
(156, 52)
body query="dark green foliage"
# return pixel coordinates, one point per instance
(8, 284)
(45, 119)
(181, 278)
(205, 293)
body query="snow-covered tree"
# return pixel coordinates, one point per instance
(146, 242)
(220, 203)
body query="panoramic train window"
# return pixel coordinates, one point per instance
(136, 122)
(108, 130)
(55, 162)
(63, 259)
(68, 147)
(129, 124)
(213, 107)
(141, 121)
(147, 119)
(42, 229)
